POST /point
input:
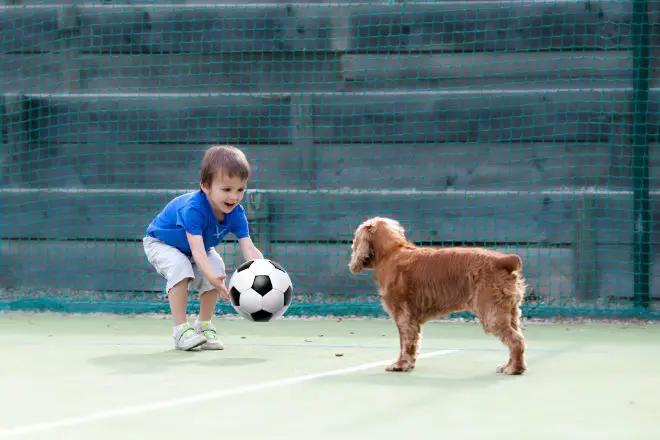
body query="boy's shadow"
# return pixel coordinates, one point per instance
(159, 361)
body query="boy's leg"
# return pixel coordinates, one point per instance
(203, 325)
(178, 296)
(184, 335)
(207, 303)
(177, 269)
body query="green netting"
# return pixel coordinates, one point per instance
(519, 125)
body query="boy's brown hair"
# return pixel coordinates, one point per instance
(225, 159)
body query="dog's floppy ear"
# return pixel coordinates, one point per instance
(362, 252)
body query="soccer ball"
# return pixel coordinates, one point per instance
(260, 290)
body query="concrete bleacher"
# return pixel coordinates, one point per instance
(499, 123)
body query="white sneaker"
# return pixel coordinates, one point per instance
(186, 338)
(210, 335)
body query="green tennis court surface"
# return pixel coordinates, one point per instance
(97, 377)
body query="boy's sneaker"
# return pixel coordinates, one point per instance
(210, 334)
(186, 338)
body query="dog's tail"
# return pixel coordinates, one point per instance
(510, 263)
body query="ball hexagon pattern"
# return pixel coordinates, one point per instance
(260, 290)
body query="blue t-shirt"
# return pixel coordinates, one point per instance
(192, 212)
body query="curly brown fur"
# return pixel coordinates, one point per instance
(418, 284)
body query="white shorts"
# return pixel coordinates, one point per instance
(174, 265)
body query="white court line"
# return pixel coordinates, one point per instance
(148, 407)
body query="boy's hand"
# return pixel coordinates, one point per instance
(219, 283)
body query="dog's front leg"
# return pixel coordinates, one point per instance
(395, 366)
(409, 334)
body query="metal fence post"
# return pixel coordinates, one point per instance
(640, 152)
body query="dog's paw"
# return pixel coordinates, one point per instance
(511, 370)
(400, 367)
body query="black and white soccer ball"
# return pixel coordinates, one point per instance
(260, 290)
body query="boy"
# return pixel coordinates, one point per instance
(180, 240)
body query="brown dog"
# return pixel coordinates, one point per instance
(418, 284)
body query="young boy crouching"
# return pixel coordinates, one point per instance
(180, 240)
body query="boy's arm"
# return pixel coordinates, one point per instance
(248, 249)
(199, 254)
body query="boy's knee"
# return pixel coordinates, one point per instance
(179, 286)
(212, 291)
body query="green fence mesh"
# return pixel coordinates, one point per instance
(519, 125)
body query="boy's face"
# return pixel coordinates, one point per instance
(225, 192)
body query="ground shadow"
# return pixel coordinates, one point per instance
(423, 378)
(159, 361)
(465, 373)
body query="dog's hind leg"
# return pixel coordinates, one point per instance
(515, 318)
(505, 325)
(516, 343)
(409, 339)
(514, 339)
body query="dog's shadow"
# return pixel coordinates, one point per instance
(159, 361)
(423, 378)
